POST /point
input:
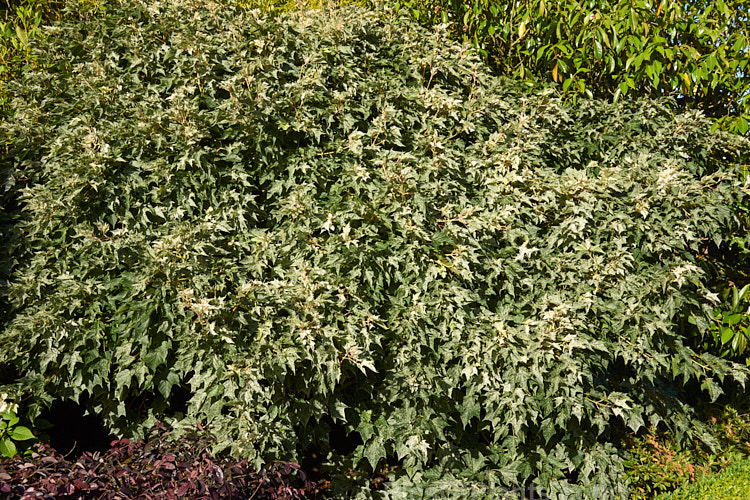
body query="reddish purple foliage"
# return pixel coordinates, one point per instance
(153, 469)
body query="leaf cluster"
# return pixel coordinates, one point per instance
(11, 432)
(731, 330)
(331, 217)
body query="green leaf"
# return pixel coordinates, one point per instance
(165, 385)
(7, 447)
(42, 424)
(597, 49)
(20, 433)
(733, 319)
(742, 125)
(11, 418)
(635, 421)
(22, 35)
(374, 451)
(727, 334)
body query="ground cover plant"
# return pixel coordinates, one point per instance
(153, 468)
(729, 484)
(658, 464)
(334, 224)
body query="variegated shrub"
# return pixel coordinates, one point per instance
(336, 218)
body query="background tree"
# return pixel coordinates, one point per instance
(693, 51)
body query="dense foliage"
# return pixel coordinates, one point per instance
(275, 7)
(330, 220)
(156, 468)
(695, 51)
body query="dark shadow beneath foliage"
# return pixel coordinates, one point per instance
(8, 373)
(74, 431)
(339, 443)
(9, 237)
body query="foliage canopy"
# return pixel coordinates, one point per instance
(330, 218)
